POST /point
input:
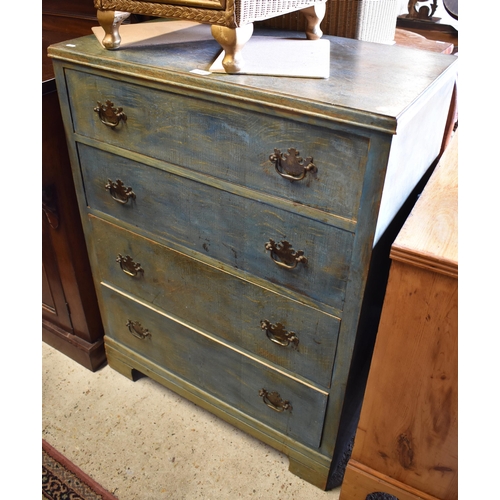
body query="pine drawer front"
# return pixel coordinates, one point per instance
(222, 225)
(234, 309)
(222, 372)
(224, 141)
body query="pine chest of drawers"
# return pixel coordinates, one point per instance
(230, 220)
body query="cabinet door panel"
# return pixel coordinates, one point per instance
(54, 303)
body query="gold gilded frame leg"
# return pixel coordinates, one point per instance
(110, 21)
(232, 40)
(314, 15)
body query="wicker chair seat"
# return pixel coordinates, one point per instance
(231, 20)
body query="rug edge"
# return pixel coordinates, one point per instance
(56, 455)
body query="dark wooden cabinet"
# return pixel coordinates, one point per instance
(71, 321)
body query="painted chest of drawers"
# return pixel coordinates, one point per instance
(230, 219)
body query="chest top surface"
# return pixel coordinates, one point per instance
(370, 84)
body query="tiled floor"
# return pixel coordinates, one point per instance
(143, 442)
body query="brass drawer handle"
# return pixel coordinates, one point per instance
(119, 192)
(109, 115)
(291, 166)
(274, 401)
(128, 265)
(283, 254)
(277, 334)
(136, 329)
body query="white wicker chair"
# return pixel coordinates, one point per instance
(231, 20)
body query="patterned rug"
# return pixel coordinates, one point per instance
(63, 480)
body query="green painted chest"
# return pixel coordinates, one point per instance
(230, 219)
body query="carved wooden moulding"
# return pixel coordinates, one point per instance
(231, 20)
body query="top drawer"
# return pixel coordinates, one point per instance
(224, 141)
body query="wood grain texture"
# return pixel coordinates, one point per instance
(408, 429)
(360, 481)
(409, 38)
(429, 239)
(408, 425)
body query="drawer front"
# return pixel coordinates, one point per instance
(224, 141)
(227, 227)
(222, 372)
(234, 309)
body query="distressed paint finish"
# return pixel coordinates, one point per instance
(160, 124)
(211, 366)
(215, 301)
(195, 150)
(182, 210)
